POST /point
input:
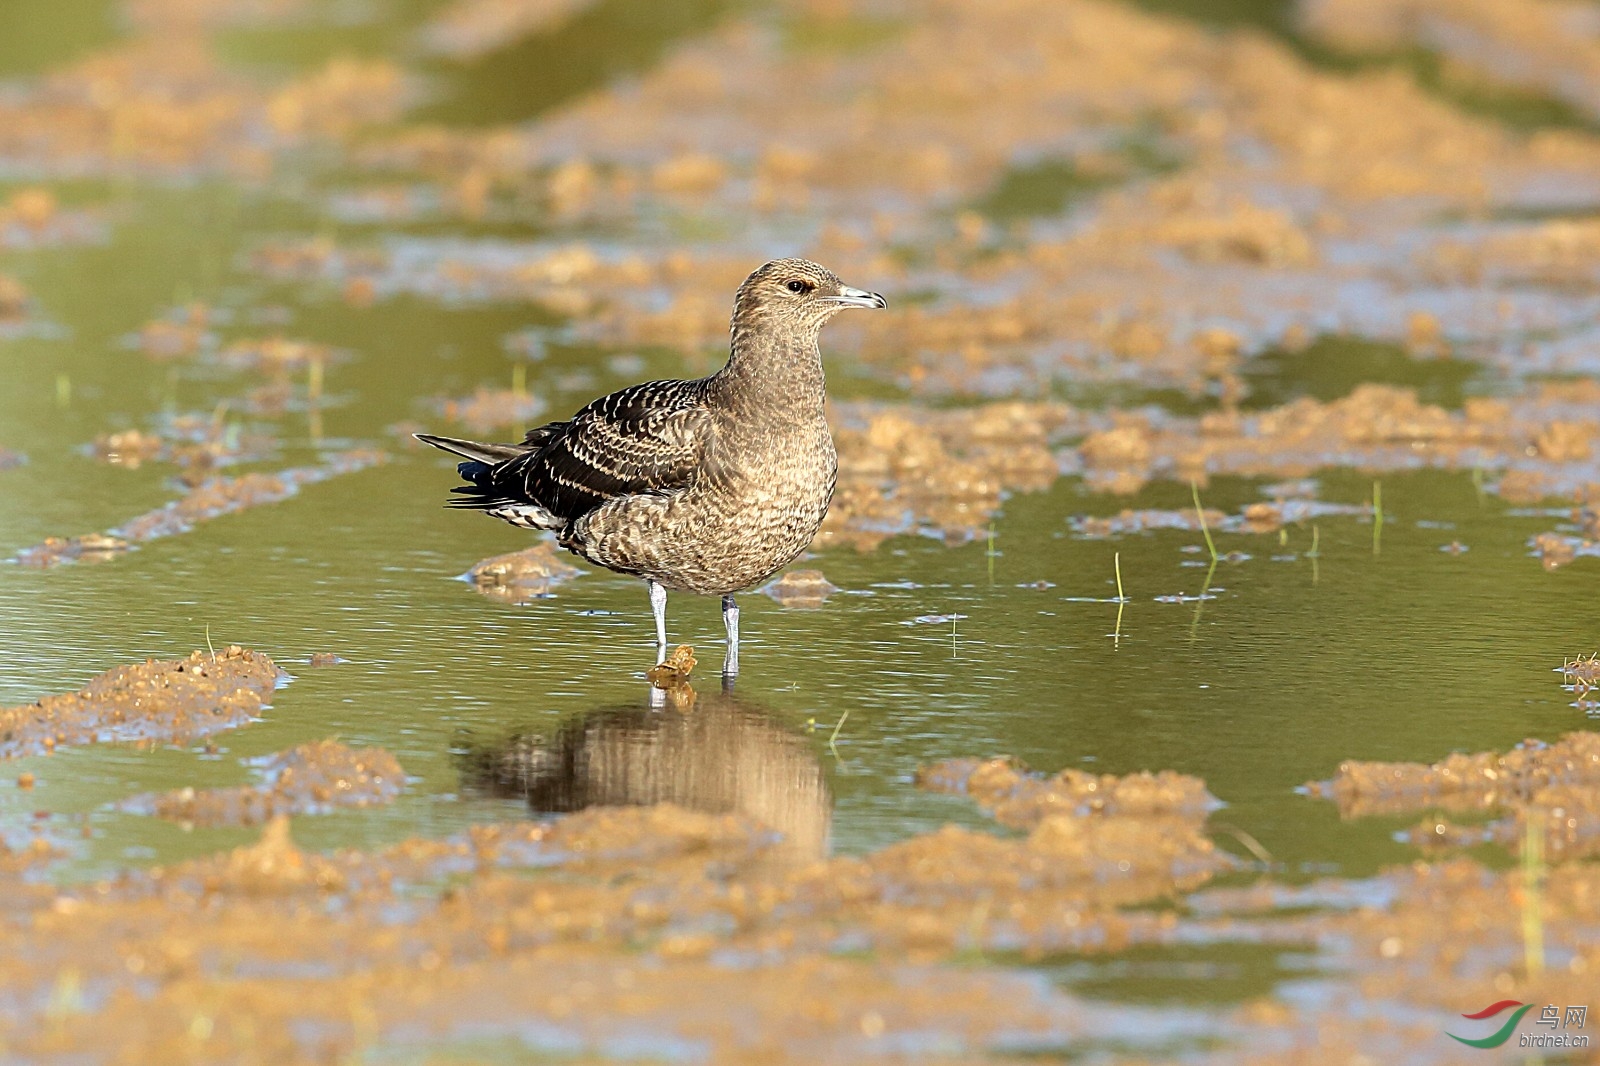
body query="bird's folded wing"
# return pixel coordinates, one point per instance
(651, 438)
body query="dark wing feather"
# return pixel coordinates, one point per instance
(648, 438)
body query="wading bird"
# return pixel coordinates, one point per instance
(707, 486)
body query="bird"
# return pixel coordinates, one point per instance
(709, 485)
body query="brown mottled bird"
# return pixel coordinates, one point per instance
(706, 486)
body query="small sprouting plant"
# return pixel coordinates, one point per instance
(1581, 674)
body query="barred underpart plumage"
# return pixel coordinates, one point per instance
(708, 486)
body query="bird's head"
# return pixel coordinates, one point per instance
(796, 294)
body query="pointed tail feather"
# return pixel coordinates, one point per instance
(471, 449)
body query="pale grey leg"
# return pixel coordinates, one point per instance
(730, 619)
(658, 607)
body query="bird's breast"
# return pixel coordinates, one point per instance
(755, 505)
(787, 470)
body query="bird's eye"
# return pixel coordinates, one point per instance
(798, 286)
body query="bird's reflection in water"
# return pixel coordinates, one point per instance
(723, 755)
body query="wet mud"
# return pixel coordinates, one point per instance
(211, 498)
(640, 923)
(277, 356)
(161, 103)
(802, 589)
(155, 702)
(309, 779)
(1425, 941)
(493, 410)
(651, 923)
(32, 218)
(1021, 799)
(684, 883)
(672, 675)
(16, 304)
(1535, 444)
(194, 444)
(942, 474)
(522, 576)
(1553, 788)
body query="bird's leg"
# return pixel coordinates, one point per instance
(730, 619)
(658, 607)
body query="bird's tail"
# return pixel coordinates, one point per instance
(471, 449)
(483, 492)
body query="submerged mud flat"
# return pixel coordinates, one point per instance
(310, 779)
(210, 499)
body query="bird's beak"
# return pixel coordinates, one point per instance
(849, 297)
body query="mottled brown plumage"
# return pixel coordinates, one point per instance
(707, 486)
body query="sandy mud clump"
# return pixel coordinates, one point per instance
(1020, 799)
(522, 576)
(804, 589)
(32, 218)
(1093, 844)
(1541, 449)
(672, 675)
(1579, 537)
(178, 333)
(1555, 785)
(277, 356)
(309, 779)
(212, 498)
(158, 701)
(85, 548)
(194, 444)
(1101, 840)
(492, 410)
(161, 102)
(16, 304)
(940, 473)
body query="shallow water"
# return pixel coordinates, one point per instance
(1382, 646)
(1409, 653)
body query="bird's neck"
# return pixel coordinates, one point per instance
(775, 376)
